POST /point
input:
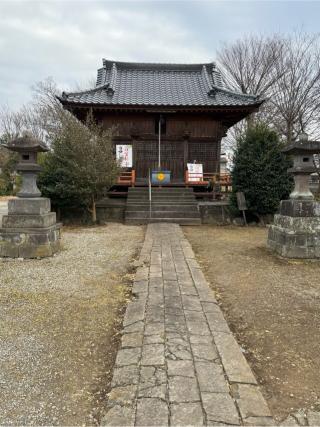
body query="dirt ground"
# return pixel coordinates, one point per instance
(6, 198)
(59, 327)
(273, 307)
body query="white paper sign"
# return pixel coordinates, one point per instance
(195, 171)
(124, 154)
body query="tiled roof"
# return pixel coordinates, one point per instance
(143, 84)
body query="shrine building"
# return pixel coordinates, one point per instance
(169, 120)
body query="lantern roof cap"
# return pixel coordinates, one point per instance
(302, 146)
(27, 142)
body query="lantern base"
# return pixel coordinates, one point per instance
(30, 243)
(29, 230)
(296, 230)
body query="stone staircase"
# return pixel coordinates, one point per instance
(169, 204)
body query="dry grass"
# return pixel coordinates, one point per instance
(272, 305)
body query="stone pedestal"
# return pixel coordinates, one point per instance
(29, 230)
(296, 229)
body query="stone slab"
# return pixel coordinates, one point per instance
(299, 208)
(220, 407)
(35, 206)
(250, 401)
(152, 412)
(186, 414)
(234, 363)
(29, 221)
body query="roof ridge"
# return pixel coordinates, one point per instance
(127, 64)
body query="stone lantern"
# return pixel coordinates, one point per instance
(302, 152)
(30, 229)
(296, 229)
(28, 149)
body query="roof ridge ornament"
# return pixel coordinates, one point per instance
(204, 72)
(216, 76)
(113, 79)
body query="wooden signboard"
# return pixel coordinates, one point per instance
(241, 201)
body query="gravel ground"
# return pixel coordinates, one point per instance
(272, 305)
(59, 323)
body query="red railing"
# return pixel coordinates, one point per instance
(223, 179)
(127, 178)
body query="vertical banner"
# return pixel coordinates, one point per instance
(124, 155)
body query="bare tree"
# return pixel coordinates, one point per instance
(249, 65)
(10, 122)
(82, 152)
(295, 96)
(286, 71)
(43, 116)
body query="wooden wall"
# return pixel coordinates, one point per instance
(188, 138)
(195, 125)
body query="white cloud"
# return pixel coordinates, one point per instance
(68, 39)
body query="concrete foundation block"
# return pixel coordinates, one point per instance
(215, 213)
(111, 210)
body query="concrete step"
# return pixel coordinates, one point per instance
(181, 221)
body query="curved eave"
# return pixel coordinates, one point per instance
(162, 107)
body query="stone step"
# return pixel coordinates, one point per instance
(161, 196)
(162, 208)
(185, 203)
(162, 214)
(160, 189)
(181, 221)
(177, 205)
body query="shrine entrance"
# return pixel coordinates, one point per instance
(172, 158)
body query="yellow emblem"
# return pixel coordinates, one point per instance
(160, 176)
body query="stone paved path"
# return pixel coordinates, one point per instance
(179, 364)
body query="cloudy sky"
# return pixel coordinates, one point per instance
(68, 39)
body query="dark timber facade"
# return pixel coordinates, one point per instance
(196, 110)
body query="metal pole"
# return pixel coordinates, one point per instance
(150, 201)
(159, 145)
